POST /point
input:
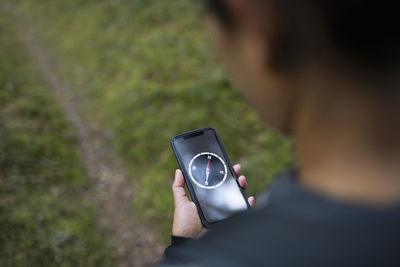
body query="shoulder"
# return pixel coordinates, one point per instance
(295, 227)
(230, 243)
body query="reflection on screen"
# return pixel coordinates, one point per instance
(207, 171)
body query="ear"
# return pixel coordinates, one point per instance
(239, 9)
(256, 25)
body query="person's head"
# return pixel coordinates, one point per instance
(283, 54)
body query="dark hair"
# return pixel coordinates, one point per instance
(218, 8)
(364, 31)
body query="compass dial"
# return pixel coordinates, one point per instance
(207, 170)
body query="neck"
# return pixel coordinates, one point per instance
(338, 153)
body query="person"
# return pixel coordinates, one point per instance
(324, 73)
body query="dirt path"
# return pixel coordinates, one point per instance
(111, 191)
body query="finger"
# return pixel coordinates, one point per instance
(252, 201)
(243, 182)
(237, 169)
(178, 189)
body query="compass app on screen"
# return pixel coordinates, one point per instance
(209, 175)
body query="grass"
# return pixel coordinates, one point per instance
(147, 69)
(44, 220)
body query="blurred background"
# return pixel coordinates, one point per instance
(91, 92)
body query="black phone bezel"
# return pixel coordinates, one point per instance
(191, 134)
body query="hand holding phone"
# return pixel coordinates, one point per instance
(186, 219)
(213, 183)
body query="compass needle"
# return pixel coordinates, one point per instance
(207, 179)
(208, 170)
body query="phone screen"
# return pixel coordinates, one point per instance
(210, 175)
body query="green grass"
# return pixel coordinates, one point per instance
(148, 70)
(43, 218)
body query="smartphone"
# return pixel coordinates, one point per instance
(210, 178)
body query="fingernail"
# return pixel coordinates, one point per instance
(176, 171)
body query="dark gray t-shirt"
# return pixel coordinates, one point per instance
(297, 227)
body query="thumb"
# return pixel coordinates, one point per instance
(178, 189)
